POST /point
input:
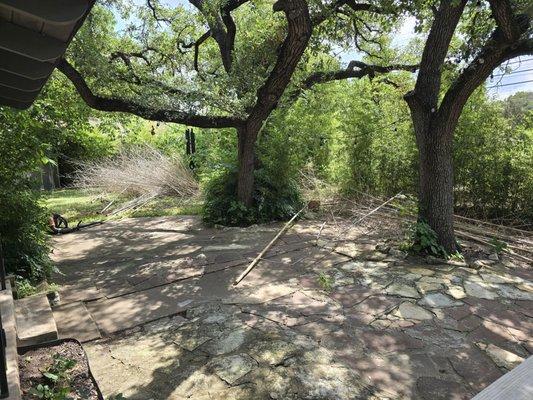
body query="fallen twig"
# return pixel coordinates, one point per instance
(268, 246)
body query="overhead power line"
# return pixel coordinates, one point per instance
(519, 61)
(510, 84)
(515, 72)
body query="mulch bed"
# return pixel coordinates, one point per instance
(33, 362)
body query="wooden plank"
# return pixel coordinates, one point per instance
(516, 384)
(7, 311)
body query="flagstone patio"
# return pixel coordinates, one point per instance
(361, 322)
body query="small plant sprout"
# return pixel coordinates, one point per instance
(497, 245)
(326, 281)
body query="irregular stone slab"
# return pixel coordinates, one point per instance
(349, 297)
(259, 295)
(74, 321)
(232, 368)
(409, 310)
(273, 352)
(35, 321)
(425, 287)
(165, 324)
(376, 305)
(120, 313)
(430, 388)
(510, 292)
(501, 357)
(476, 290)
(227, 343)
(438, 300)
(340, 279)
(399, 289)
(192, 343)
(422, 271)
(475, 368)
(457, 292)
(389, 342)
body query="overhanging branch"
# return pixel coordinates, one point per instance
(111, 104)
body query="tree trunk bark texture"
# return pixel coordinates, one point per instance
(436, 183)
(246, 163)
(299, 29)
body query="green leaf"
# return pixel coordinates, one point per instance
(51, 376)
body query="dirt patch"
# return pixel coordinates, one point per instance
(33, 363)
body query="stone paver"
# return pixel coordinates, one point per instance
(35, 321)
(388, 327)
(74, 321)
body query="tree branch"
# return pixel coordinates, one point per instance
(355, 69)
(319, 18)
(222, 28)
(154, 114)
(153, 7)
(504, 17)
(299, 32)
(493, 54)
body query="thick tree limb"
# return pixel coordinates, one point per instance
(120, 105)
(424, 98)
(319, 18)
(503, 14)
(355, 69)
(289, 55)
(493, 55)
(222, 28)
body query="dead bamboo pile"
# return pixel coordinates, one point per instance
(518, 242)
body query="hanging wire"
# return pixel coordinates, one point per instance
(519, 61)
(510, 84)
(514, 72)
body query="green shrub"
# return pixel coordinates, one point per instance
(273, 200)
(22, 217)
(423, 240)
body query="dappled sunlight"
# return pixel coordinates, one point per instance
(310, 320)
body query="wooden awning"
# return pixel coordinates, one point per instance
(34, 35)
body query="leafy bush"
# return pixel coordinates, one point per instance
(423, 240)
(22, 217)
(273, 200)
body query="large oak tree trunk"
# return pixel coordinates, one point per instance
(246, 160)
(435, 198)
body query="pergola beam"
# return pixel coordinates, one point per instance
(23, 66)
(29, 43)
(50, 11)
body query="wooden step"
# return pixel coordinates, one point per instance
(35, 321)
(74, 321)
(7, 312)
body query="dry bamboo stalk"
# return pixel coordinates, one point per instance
(367, 215)
(496, 225)
(477, 239)
(112, 201)
(268, 246)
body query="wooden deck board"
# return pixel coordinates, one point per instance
(516, 385)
